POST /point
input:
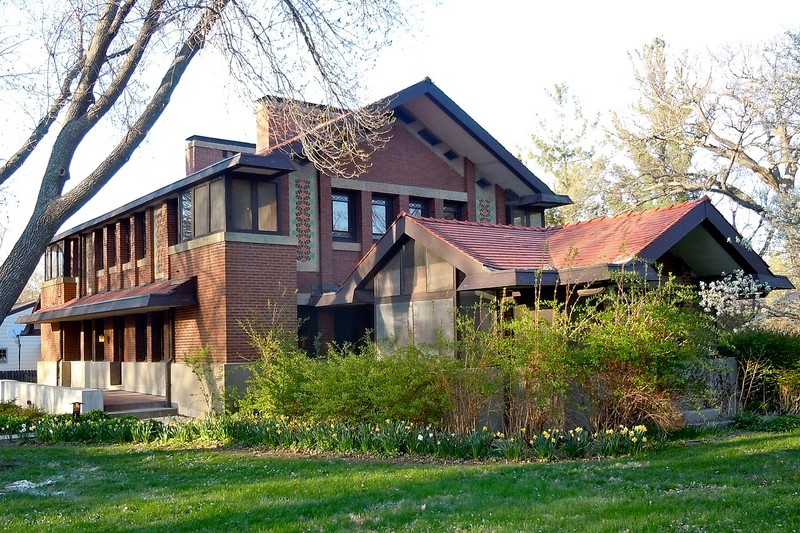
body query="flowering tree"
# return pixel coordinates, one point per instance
(736, 300)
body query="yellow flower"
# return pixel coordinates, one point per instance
(485, 428)
(634, 439)
(644, 439)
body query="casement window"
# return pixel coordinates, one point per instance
(111, 245)
(253, 205)
(3, 355)
(202, 210)
(382, 215)
(344, 216)
(526, 218)
(125, 240)
(453, 210)
(99, 250)
(54, 261)
(418, 207)
(141, 229)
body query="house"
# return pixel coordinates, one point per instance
(423, 269)
(19, 344)
(250, 229)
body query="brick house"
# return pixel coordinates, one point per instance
(130, 294)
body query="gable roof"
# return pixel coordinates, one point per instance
(425, 101)
(492, 255)
(444, 121)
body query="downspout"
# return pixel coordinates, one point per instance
(169, 360)
(60, 359)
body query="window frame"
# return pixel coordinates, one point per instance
(424, 207)
(457, 208)
(254, 206)
(347, 198)
(3, 356)
(386, 204)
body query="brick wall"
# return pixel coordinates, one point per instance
(261, 282)
(205, 324)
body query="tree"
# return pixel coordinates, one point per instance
(116, 64)
(729, 126)
(564, 147)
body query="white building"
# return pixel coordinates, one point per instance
(20, 344)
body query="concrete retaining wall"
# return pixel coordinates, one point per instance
(50, 398)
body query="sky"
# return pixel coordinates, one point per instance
(494, 59)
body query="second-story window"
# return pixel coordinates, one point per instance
(202, 210)
(381, 215)
(344, 216)
(453, 211)
(125, 240)
(418, 207)
(254, 205)
(141, 234)
(523, 217)
(54, 261)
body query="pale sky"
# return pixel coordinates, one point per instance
(494, 59)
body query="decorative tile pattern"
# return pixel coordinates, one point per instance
(485, 210)
(302, 195)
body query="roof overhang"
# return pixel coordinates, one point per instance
(449, 122)
(157, 296)
(508, 279)
(273, 165)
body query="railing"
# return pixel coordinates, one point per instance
(28, 376)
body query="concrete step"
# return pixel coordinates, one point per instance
(146, 412)
(134, 405)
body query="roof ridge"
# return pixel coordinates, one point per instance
(481, 223)
(629, 214)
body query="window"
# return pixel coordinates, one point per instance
(141, 229)
(418, 207)
(125, 240)
(254, 205)
(344, 216)
(98, 250)
(381, 215)
(54, 261)
(453, 211)
(3, 355)
(202, 210)
(111, 245)
(529, 219)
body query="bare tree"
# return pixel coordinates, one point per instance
(728, 126)
(122, 60)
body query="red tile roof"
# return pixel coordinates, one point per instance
(600, 241)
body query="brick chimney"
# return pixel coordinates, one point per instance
(202, 152)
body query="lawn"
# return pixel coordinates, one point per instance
(742, 483)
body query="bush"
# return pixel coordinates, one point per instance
(640, 350)
(769, 368)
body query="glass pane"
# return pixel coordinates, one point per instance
(267, 206)
(341, 215)
(453, 211)
(380, 216)
(241, 205)
(217, 205)
(440, 274)
(201, 210)
(418, 208)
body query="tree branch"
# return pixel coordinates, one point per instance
(74, 199)
(43, 127)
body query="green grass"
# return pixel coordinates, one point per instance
(742, 483)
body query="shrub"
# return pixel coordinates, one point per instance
(639, 349)
(769, 368)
